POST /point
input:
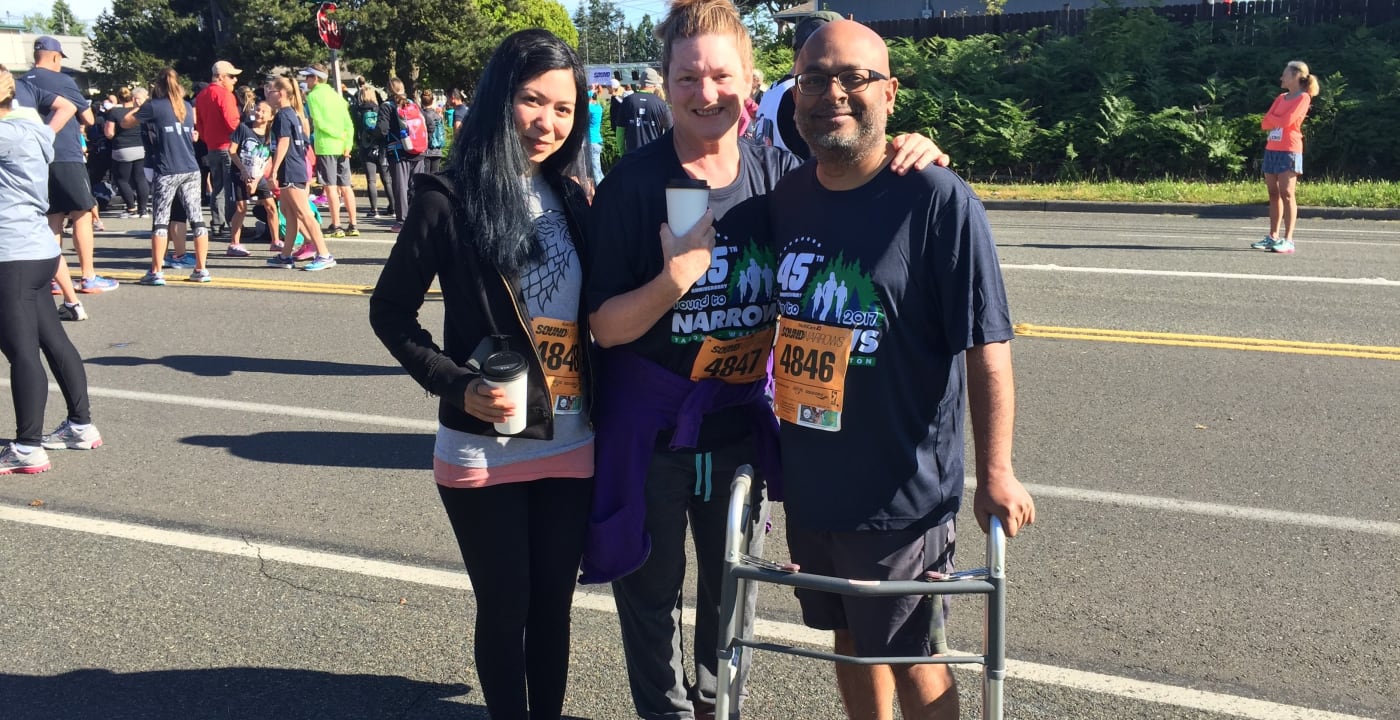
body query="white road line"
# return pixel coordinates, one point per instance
(770, 629)
(256, 408)
(1265, 515)
(1211, 275)
(1148, 502)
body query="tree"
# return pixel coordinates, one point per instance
(642, 45)
(425, 43)
(136, 38)
(59, 21)
(63, 22)
(599, 23)
(513, 15)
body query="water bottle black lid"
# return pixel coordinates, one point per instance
(688, 183)
(504, 366)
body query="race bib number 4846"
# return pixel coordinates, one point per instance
(809, 373)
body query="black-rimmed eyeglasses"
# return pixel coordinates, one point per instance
(851, 81)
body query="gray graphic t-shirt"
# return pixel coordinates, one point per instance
(551, 289)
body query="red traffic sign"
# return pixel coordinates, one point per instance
(327, 26)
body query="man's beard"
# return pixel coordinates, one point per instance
(839, 146)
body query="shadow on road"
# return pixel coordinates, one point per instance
(235, 693)
(385, 451)
(224, 366)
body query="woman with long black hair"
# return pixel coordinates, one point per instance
(500, 229)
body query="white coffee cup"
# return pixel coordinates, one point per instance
(508, 369)
(686, 202)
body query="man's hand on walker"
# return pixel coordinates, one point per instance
(1005, 497)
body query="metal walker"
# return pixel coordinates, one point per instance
(741, 569)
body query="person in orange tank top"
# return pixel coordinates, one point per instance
(1283, 154)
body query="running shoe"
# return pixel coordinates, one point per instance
(1284, 247)
(237, 251)
(72, 313)
(320, 263)
(67, 437)
(352, 232)
(126, 215)
(96, 284)
(373, 215)
(153, 279)
(335, 232)
(180, 262)
(320, 200)
(396, 227)
(305, 252)
(14, 462)
(54, 288)
(282, 261)
(199, 276)
(97, 226)
(1264, 244)
(276, 246)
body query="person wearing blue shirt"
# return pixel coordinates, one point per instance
(70, 193)
(595, 135)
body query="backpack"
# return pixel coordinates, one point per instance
(437, 135)
(413, 133)
(369, 119)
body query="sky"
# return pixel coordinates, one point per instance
(88, 10)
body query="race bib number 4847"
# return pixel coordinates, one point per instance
(809, 373)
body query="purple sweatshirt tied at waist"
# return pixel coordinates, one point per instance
(636, 401)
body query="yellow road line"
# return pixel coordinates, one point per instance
(1292, 347)
(255, 284)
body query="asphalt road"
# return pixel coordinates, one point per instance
(1210, 432)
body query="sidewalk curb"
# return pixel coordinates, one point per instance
(1224, 212)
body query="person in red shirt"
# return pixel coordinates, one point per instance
(216, 114)
(1283, 154)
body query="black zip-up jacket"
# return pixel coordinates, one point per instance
(428, 247)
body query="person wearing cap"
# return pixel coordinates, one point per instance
(332, 139)
(70, 192)
(643, 116)
(216, 116)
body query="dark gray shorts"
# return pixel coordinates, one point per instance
(892, 626)
(69, 190)
(333, 171)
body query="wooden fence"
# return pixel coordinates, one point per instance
(1073, 22)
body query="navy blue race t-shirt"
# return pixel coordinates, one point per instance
(881, 289)
(723, 327)
(172, 145)
(68, 146)
(287, 124)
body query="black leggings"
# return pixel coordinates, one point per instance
(28, 325)
(131, 183)
(521, 543)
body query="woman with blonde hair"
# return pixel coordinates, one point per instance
(29, 328)
(1283, 154)
(291, 173)
(176, 171)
